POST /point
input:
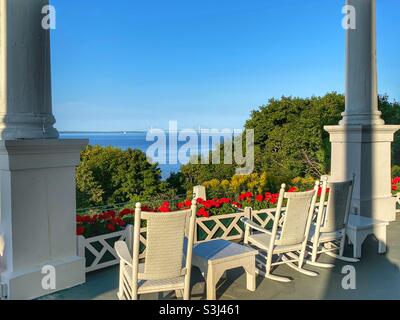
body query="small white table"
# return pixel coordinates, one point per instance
(215, 257)
(360, 227)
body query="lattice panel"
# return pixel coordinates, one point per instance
(265, 218)
(99, 251)
(214, 227)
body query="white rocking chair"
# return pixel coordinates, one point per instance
(328, 233)
(288, 239)
(166, 266)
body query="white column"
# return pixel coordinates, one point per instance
(25, 74)
(361, 67)
(361, 143)
(37, 170)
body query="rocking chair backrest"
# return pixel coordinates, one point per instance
(297, 218)
(165, 236)
(336, 213)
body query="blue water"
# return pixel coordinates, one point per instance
(133, 140)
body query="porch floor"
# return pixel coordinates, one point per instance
(377, 277)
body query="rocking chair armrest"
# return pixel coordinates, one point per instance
(123, 252)
(248, 223)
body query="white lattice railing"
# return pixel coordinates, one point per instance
(227, 226)
(99, 251)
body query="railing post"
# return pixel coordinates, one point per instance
(199, 192)
(247, 212)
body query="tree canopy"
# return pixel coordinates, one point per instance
(290, 139)
(108, 175)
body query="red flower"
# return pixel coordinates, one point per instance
(237, 204)
(147, 209)
(107, 215)
(396, 180)
(119, 222)
(80, 230)
(207, 204)
(110, 227)
(86, 218)
(259, 198)
(188, 203)
(203, 213)
(242, 197)
(126, 212)
(224, 200)
(292, 189)
(394, 188)
(79, 218)
(249, 195)
(165, 207)
(274, 198)
(180, 205)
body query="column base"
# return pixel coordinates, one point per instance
(38, 215)
(365, 150)
(28, 284)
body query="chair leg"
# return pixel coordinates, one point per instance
(314, 252)
(320, 264)
(340, 255)
(186, 290)
(272, 277)
(267, 273)
(313, 262)
(299, 268)
(120, 293)
(337, 256)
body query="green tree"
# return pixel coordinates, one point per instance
(290, 139)
(196, 174)
(108, 175)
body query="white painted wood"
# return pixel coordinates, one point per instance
(215, 257)
(162, 269)
(361, 67)
(199, 192)
(211, 234)
(361, 143)
(279, 242)
(360, 227)
(38, 214)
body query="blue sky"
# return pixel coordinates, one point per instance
(130, 65)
